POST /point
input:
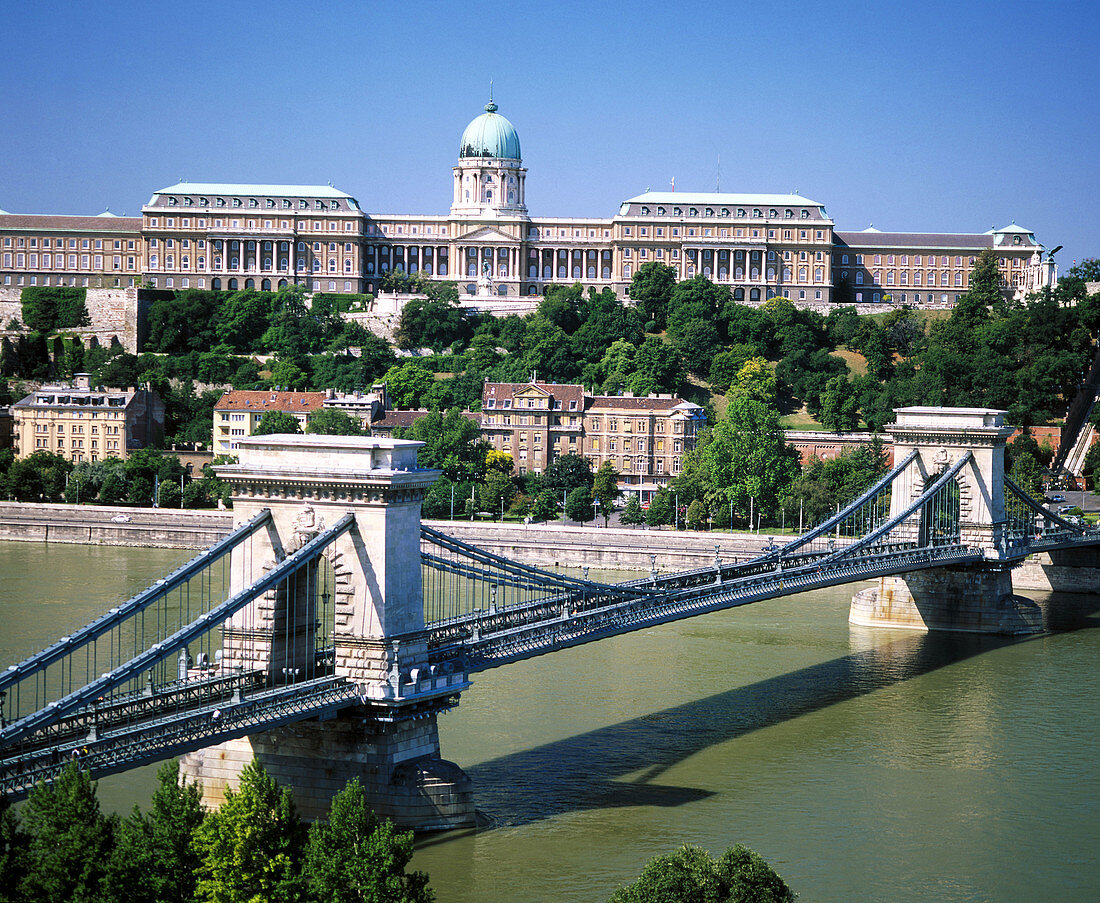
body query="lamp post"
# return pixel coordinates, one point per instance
(564, 496)
(595, 502)
(676, 511)
(731, 515)
(452, 501)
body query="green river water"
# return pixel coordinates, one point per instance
(865, 765)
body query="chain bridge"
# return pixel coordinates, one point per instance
(328, 631)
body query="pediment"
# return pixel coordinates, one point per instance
(489, 234)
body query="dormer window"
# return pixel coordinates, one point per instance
(756, 212)
(725, 211)
(221, 202)
(805, 214)
(740, 211)
(677, 211)
(773, 213)
(645, 211)
(252, 202)
(788, 213)
(237, 202)
(660, 211)
(693, 212)
(173, 201)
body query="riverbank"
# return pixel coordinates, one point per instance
(546, 545)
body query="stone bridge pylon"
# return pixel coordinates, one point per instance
(966, 598)
(371, 578)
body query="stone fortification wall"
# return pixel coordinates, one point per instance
(114, 313)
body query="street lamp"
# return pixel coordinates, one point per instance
(676, 509)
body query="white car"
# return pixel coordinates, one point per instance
(121, 519)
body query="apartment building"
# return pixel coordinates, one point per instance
(85, 423)
(643, 438)
(238, 413)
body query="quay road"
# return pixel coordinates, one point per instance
(541, 544)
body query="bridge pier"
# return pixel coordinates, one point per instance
(371, 577)
(969, 599)
(962, 599)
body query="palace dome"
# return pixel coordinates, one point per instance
(490, 135)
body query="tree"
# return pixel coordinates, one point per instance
(578, 505)
(657, 368)
(70, 840)
(839, 406)
(567, 472)
(605, 488)
(745, 456)
(432, 323)
(39, 477)
(756, 379)
(277, 422)
(251, 848)
(660, 508)
(695, 518)
(407, 384)
(452, 443)
(692, 875)
(547, 505)
(354, 858)
(333, 422)
(13, 846)
(651, 288)
(632, 512)
(496, 492)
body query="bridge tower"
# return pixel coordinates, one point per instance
(969, 598)
(390, 741)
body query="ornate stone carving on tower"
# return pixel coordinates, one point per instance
(969, 599)
(373, 634)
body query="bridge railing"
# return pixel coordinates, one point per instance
(104, 643)
(108, 698)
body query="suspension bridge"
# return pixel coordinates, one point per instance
(328, 631)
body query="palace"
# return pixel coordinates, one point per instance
(233, 236)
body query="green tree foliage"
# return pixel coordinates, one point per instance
(839, 405)
(13, 850)
(692, 875)
(354, 858)
(726, 365)
(407, 384)
(755, 379)
(825, 484)
(334, 422)
(70, 841)
(277, 422)
(660, 508)
(632, 513)
(696, 516)
(1088, 270)
(184, 321)
(605, 489)
(693, 300)
(568, 472)
(745, 456)
(578, 505)
(47, 309)
(497, 489)
(651, 288)
(453, 444)
(434, 324)
(40, 477)
(547, 505)
(251, 848)
(657, 368)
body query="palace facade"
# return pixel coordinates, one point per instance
(230, 236)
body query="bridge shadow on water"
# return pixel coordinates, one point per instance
(587, 771)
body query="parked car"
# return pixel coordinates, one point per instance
(1058, 498)
(1063, 509)
(121, 519)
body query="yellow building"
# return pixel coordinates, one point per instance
(238, 412)
(84, 423)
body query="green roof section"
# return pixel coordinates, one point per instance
(489, 135)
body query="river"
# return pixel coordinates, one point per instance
(865, 765)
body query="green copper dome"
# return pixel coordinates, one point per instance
(490, 135)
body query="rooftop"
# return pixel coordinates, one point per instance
(280, 191)
(288, 402)
(717, 197)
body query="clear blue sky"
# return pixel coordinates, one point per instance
(916, 116)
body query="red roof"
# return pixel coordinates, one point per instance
(289, 402)
(559, 392)
(49, 223)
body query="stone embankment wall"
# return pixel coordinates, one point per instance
(629, 549)
(92, 525)
(114, 313)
